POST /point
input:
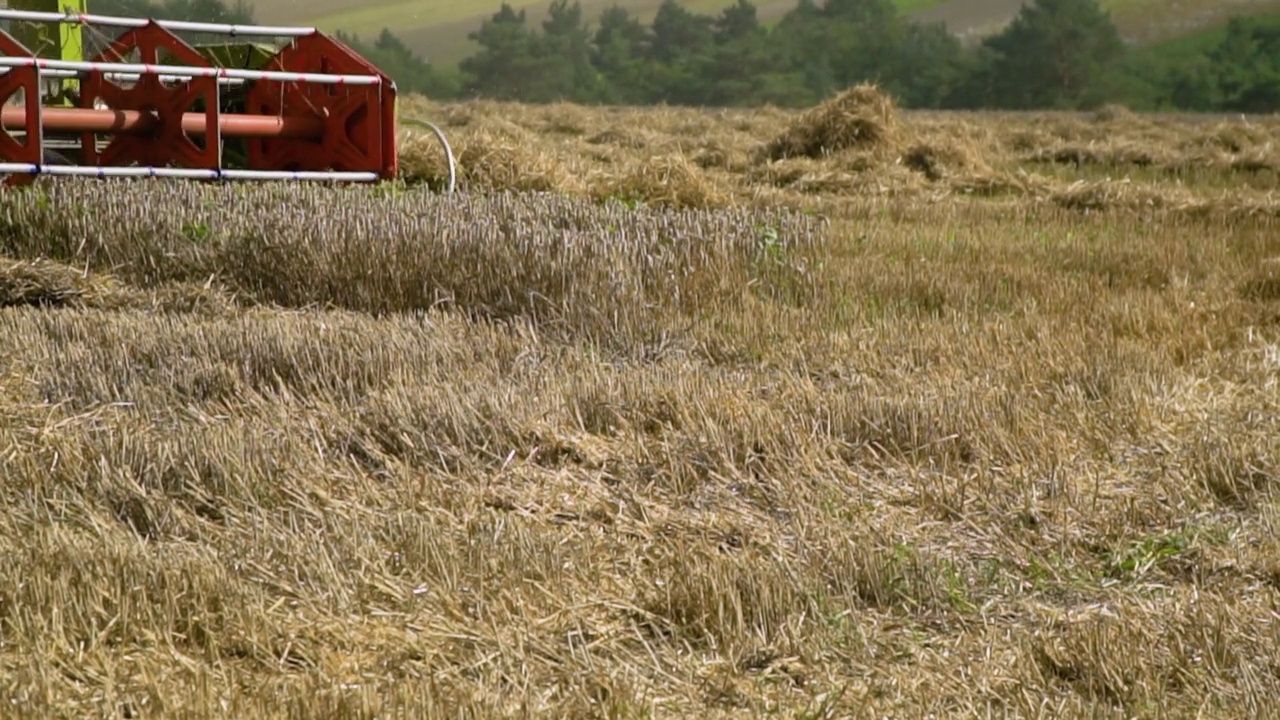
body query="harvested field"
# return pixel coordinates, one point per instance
(855, 146)
(965, 415)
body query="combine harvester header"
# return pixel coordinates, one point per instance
(148, 104)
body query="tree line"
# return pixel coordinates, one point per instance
(1055, 54)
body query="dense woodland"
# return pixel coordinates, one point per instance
(1063, 54)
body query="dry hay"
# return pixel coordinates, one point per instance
(633, 163)
(633, 139)
(1237, 146)
(1072, 127)
(562, 118)
(1025, 140)
(717, 155)
(622, 145)
(1114, 113)
(855, 144)
(853, 175)
(804, 175)
(42, 283)
(492, 156)
(943, 160)
(542, 257)
(493, 144)
(459, 115)
(45, 283)
(1113, 136)
(1001, 183)
(1127, 195)
(1159, 145)
(872, 173)
(1235, 136)
(1108, 153)
(670, 180)
(783, 173)
(501, 163)
(861, 117)
(1264, 285)
(733, 508)
(1101, 195)
(1258, 159)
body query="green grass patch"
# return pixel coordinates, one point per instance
(910, 7)
(1197, 44)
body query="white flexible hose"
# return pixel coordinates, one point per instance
(448, 151)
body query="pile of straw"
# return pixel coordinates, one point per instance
(861, 117)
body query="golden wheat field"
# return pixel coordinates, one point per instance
(844, 413)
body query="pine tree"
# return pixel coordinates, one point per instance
(681, 43)
(928, 66)
(739, 60)
(1054, 53)
(619, 48)
(860, 38)
(1246, 66)
(799, 47)
(507, 57)
(564, 64)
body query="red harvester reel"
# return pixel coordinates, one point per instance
(151, 105)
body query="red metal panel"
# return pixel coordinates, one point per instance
(27, 81)
(166, 142)
(359, 120)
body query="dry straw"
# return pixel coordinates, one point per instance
(669, 180)
(940, 162)
(856, 144)
(597, 269)
(44, 283)
(861, 117)
(511, 454)
(495, 157)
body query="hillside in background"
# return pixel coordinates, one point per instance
(437, 29)
(1140, 21)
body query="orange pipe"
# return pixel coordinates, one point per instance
(137, 121)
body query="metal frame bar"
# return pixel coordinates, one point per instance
(184, 173)
(188, 71)
(113, 21)
(138, 121)
(130, 77)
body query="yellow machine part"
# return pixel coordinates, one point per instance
(62, 41)
(52, 40)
